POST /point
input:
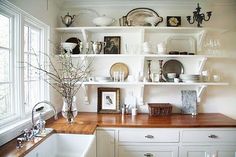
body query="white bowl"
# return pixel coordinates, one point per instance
(171, 75)
(103, 21)
(68, 46)
(152, 20)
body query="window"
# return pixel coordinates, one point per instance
(22, 39)
(32, 50)
(7, 109)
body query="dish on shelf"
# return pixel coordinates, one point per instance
(77, 41)
(68, 47)
(181, 44)
(103, 79)
(119, 67)
(141, 17)
(103, 21)
(190, 78)
(172, 66)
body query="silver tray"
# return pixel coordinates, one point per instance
(136, 17)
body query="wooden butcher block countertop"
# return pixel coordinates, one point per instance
(86, 123)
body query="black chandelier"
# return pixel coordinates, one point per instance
(199, 17)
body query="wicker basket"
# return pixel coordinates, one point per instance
(159, 109)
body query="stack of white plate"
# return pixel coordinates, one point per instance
(190, 78)
(103, 79)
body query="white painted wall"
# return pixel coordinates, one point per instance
(220, 99)
(215, 99)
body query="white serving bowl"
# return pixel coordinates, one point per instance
(68, 46)
(103, 21)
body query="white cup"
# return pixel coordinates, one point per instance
(146, 47)
(161, 48)
(155, 77)
(176, 80)
(134, 111)
(216, 78)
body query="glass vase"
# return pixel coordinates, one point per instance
(69, 109)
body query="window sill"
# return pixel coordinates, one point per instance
(12, 131)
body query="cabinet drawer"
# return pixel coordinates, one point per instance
(148, 136)
(209, 136)
(148, 151)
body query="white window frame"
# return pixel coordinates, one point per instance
(22, 121)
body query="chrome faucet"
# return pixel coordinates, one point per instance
(40, 124)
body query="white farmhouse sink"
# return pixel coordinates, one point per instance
(66, 145)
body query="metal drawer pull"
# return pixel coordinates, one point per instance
(213, 136)
(148, 154)
(149, 136)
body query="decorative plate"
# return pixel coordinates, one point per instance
(138, 16)
(173, 66)
(119, 67)
(75, 40)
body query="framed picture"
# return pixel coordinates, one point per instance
(173, 21)
(108, 100)
(112, 45)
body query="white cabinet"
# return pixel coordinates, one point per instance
(148, 151)
(148, 142)
(224, 151)
(208, 143)
(166, 142)
(195, 151)
(208, 151)
(105, 143)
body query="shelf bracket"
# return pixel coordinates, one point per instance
(202, 63)
(200, 90)
(86, 99)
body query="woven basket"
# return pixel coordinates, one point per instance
(159, 109)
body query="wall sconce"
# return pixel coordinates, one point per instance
(199, 17)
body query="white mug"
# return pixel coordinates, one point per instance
(161, 48)
(146, 47)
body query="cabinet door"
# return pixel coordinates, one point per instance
(105, 143)
(148, 151)
(195, 151)
(224, 151)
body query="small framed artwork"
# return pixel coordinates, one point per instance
(173, 21)
(108, 100)
(112, 45)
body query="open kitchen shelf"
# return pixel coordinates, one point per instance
(137, 60)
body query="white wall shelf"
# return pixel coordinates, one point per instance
(131, 53)
(153, 56)
(182, 30)
(158, 83)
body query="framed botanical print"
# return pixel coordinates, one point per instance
(112, 45)
(108, 100)
(173, 21)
